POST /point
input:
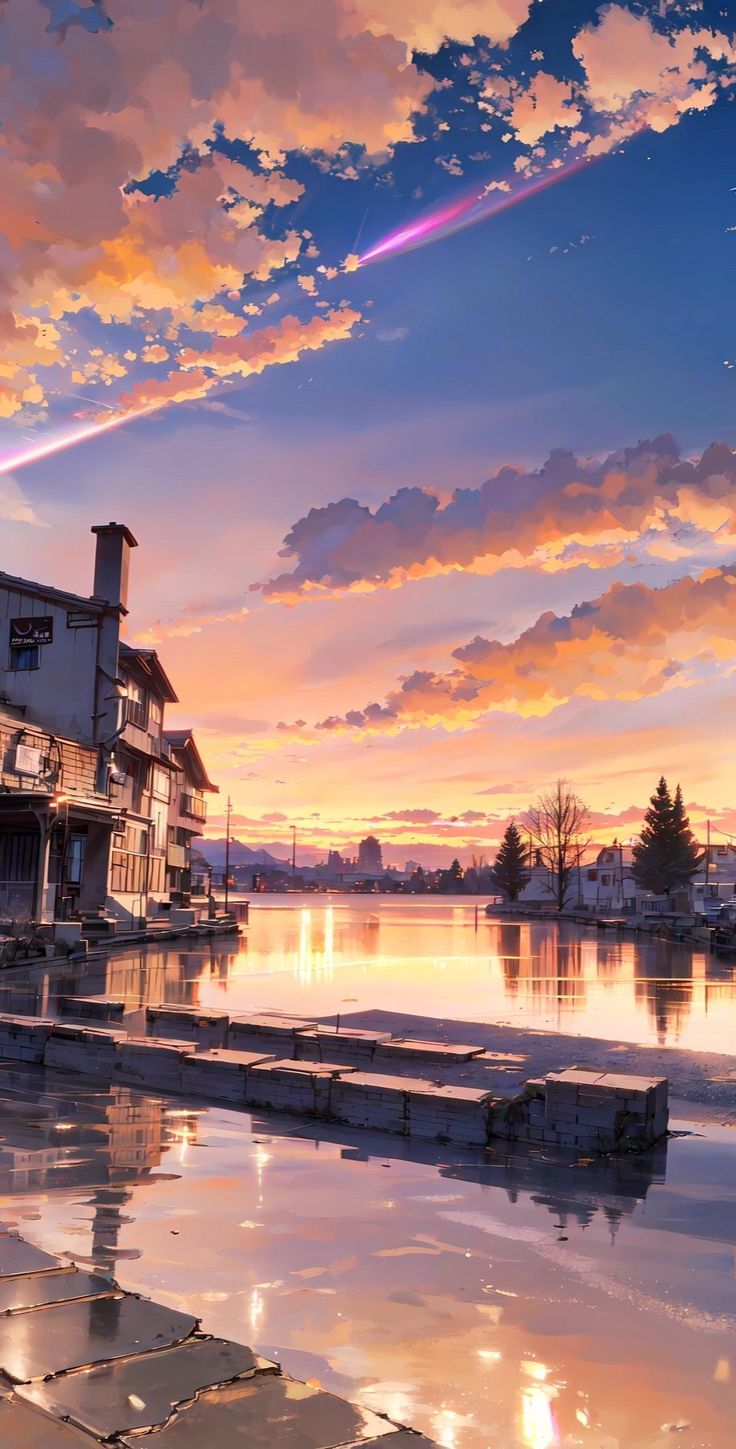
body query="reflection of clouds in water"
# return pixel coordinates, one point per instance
(684, 1314)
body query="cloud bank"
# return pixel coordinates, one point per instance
(631, 642)
(643, 499)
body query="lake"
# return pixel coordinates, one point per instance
(325, 955)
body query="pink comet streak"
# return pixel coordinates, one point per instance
(447, 220)
(12, 461)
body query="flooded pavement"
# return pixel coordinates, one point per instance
(322, 956)
(492, 1302)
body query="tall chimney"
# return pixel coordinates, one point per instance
(112, 563)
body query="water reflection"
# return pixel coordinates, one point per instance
(440, 1290)
(325, 957)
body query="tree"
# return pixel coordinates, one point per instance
(451, 881)
(557, 825)
(666, 855)
(510, 869)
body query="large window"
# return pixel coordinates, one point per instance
(136, 712)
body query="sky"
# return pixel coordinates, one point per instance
(402, 336)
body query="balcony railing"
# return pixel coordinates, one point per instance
(176, 857)
(194, 806)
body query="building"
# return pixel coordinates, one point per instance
(99, 805)
(370, 856)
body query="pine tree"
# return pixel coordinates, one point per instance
(666, 855)
(686, 855)
(510, 870)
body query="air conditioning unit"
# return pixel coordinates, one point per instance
(28, 761)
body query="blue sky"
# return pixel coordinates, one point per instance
(186, 196)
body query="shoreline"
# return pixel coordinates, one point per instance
(707, 1079)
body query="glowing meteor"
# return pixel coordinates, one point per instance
(15, 458)
(447, 220)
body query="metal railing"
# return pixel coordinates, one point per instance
(192, 805)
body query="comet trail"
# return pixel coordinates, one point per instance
(11, 461)
(435, 225)
(446, 220)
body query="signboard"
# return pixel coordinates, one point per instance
(27, 760)
(25, 632)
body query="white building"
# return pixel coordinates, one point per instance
(98, 806)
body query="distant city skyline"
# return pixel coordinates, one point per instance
(358, 314)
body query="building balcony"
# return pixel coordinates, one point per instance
(194, 806)
(176, 857)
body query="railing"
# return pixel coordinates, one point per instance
(192, 805)
(176, 857)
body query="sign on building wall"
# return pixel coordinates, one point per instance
(24, 632)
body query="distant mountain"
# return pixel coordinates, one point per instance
(276, 853)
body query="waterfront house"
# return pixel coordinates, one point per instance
(98, 807)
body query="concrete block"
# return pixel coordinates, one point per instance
(24, 1034)
(446, 1053)
(326, 1043)
(187, 1023)
(277, 1033)
(220, 1074)
(92, 1008)
(145, 1062)
(291, 1086)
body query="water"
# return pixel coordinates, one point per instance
(514, 1302)
(342, 954)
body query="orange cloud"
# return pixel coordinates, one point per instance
(631, 642)
(568, 512)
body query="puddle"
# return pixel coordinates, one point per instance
(514, 1304)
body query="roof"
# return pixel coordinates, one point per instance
(150, 665)
(182, 743)
(57, 596)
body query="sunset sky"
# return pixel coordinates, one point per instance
(386, 297)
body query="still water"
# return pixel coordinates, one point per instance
(327, 955)
(496, 1302)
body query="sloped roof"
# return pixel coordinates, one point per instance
(182, 742)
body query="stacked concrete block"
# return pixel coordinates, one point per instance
(367, 1099)
(327, 1043)
(155, 1065)
(447, 1054)
(88, 1050)
(604, 1110)
(275, 1034)
(220, 1074)
(24, 1038)
(186, 1023)
(290, 1086)
(453, 1114)
(92, 1008)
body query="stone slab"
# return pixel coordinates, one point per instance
(142, 1392)
(209, 1028)
(17, 1256)
(36, 1290)
(447, 1053)
(72, 1335)
(95, 1008)
(22, 1427)
(268, 1411)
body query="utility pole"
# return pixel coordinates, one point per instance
(293, 850)
(228, 813)
(707, 863)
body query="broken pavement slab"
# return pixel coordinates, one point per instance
(269, 1412)
(39, 1290)
(22, 1427)
(142, 1392)
(70, 1335)
(18, 1256)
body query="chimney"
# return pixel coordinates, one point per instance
(112, 562)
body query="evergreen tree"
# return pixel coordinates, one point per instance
(510, 870)
(451, 881)
(666, 855)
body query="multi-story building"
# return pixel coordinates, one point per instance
(98, 805)
(370, 856)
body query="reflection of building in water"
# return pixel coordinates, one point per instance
(510, 954)
(108, 1139)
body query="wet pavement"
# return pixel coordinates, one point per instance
(323, 956)
(492, 1302)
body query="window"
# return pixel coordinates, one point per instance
(75, 859)
(135, 705)
(28, 656)
(605, 880)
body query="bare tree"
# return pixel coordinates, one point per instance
(557, 825)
